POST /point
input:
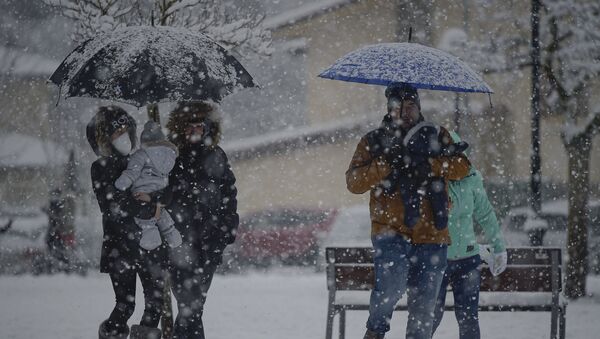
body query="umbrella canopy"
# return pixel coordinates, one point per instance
(143, 65)
(410, 63)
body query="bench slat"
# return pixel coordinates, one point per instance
(532, 256)
(484, 308)
(514, 279)
(519, 279)
(516, 256)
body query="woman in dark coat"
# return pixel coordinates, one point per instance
(204, 208)
(111, 134)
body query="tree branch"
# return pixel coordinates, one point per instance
(593, 127)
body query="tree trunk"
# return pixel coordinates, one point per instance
(578, 151)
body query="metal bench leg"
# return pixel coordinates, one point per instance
(342, 324)
(554, 323)
(330, 316)
(562, 322)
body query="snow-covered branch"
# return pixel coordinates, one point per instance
(94, 16)
(236, 28)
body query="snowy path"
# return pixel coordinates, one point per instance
(284, 304)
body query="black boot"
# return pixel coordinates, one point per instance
(104, 333)
(373, 335)
(145, 332)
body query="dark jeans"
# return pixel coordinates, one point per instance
(152, 279)
(465, 278)
(191, 281)
(404, 267)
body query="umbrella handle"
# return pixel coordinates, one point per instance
(153, 114)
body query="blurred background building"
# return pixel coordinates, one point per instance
(290, 141)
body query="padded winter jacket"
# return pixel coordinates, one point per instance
(367, 173)
(469, 200)
(204, 201)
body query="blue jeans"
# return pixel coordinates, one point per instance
(404, 267)
(465, 277)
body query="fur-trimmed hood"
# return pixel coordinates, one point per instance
(192, 112)
(107, 120)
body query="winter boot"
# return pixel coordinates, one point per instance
(150, 234)
(167, 229)
(105, 333)
(373, 335)
(436, 190)
(145, 332)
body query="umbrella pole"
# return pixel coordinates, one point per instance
(457, 113)
(153, 114)
(167, 312)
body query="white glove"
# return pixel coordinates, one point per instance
(496, 261)
(123, 182)
(485, 254)
(150, 234)
(499, 263)
(167, 229)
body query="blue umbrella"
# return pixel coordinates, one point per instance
(410, 63)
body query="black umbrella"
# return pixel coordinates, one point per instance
(142, 65)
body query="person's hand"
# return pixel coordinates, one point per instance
(157, 214)
(382, 143)
(395, 154)
(499, 263)
(142, 196)
(496, 261)
(378, 142)
(454, 149)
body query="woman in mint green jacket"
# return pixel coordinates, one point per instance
(469, 202)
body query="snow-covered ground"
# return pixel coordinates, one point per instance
(283, 303)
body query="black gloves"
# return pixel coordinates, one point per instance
(454, 149)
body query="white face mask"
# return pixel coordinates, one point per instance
(194, 138)
(122, 144)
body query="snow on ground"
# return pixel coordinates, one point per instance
(283, 303)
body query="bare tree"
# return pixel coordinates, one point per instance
(237, 28)
(570, 64)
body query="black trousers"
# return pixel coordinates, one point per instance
(152, 278)
(190, 287)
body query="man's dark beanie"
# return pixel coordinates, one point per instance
(401, 92)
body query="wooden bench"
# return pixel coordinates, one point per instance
(531, 282)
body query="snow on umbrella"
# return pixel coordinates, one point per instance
(410, 63)
(143, 65)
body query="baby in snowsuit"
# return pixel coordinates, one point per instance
(147, 172)
(422, 142)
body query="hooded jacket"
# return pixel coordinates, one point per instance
(204, 196)
(369, 173)
(470, 201)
